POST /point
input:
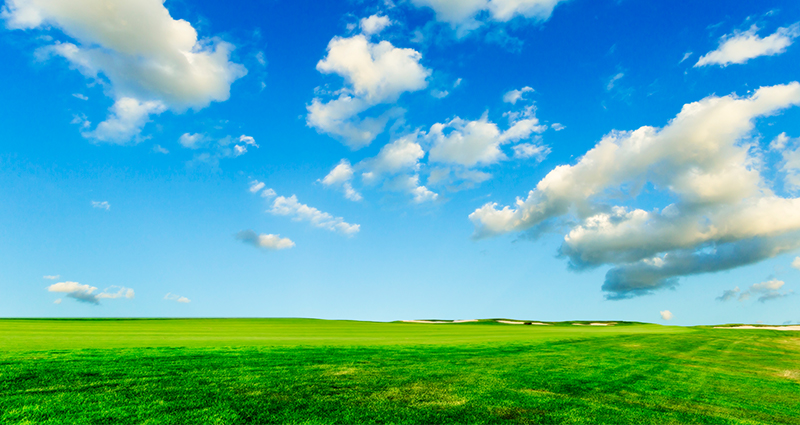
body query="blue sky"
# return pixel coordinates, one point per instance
(539, 159)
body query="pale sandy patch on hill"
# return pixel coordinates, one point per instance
(772, 328)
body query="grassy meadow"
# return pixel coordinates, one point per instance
(316, 371)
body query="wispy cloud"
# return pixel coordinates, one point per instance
(177, 298)
(103, 205)
(740, 47)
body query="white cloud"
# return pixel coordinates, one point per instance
(270, 241)
(472, 143)
(529, 150)
(125, 122)
(466, 15)
(104, 205)
(666, 315)
(374, 73)
(160, 149)
(300, 212)
(796, 263)
(374, 24)
(343, 172)
(174, 297)
(86, 293)
(51, 277)
(122, 292)
(725, 214)
(137, 51)
(79, 96)
(613, 80)
(255, 186)
(192, 141)
(340, 176)
(57, 301)
(686, 55)
(269, 193)
(514, 95)
(740, 47)
(401, 156)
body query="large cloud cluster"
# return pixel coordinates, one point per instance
(86, 293)
(148, 61)
(374, 74)
(724, 214)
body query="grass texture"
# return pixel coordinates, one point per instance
(304, 371)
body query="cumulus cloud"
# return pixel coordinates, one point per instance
(796, 263)
(146, 60)
(290, 207)
(666, 315)
(270, 241)
(467, 15)
(86, 293)
(740, 47)
(725, 215)
(529, 150)
(514, 95)
(374, 24)
(104, 205)
(396, 165)
(374, 74)
(472, 143)
(177, 298)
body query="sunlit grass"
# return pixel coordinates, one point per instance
(306, 371)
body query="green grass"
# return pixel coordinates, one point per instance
(312, 371)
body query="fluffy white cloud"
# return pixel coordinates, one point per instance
(396, 159)
(104, 205)
(400, 155)
(514, 95)
(374, 73)
(270, 241)
(340, 176)
(255, 186)
(374, 24)
(177, 298)
(740, 47)
(147, 60)
(301, 212)
(796, 263)
(471, 143)
(666, 315)
(464, 15)
(725, 215)
(86, 293)
(125, 122)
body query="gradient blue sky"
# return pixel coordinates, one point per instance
(539, 159)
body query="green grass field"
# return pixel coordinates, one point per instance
(315, 371)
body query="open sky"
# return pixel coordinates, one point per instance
(380, 160)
